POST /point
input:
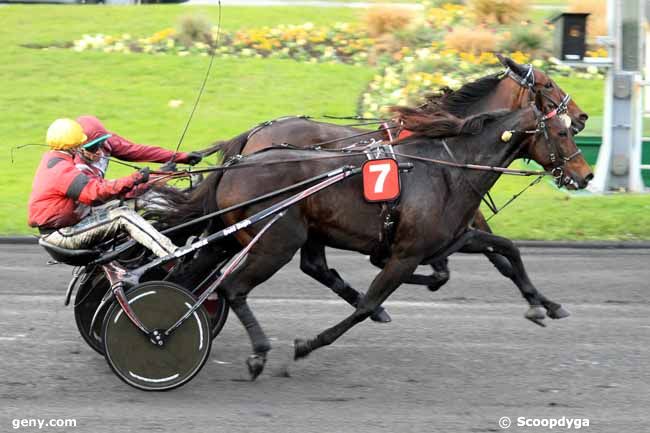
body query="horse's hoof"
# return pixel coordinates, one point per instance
(536, 314)
(300, 348)
(440, 279)
(255, 365)
(380, 315)
(558, 313)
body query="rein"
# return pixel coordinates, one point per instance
(502, 170)
(205, 80)
(514, 197)
(318, 146)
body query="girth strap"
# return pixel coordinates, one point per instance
(488, 201)
(389, 217)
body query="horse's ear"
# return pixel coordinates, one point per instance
(501, 58)
(514, 66)
(474, 125)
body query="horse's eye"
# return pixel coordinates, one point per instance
(563, 133)
(549, 85)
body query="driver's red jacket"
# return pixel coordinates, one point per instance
(124, 149)
(61, 193)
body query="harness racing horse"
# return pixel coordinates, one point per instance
(341, 218)
(510, 90)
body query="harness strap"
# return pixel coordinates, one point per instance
(263, 125)
(489, 202)
(514, 197)
(527, 81)
(389, 218)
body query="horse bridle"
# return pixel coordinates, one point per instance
(555, 156)
(528, 81)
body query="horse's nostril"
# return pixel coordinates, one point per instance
(589, 177)
(584, 117)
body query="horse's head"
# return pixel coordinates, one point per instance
(553, 147)
(537, 81)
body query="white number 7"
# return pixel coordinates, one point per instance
(383, 170)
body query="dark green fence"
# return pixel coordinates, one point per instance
(590, 146)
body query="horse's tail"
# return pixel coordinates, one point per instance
(228, 148)
(173, 207)
(170, 207)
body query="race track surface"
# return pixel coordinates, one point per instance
(452, 361)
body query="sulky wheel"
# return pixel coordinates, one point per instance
(143, 364)
(88, 298)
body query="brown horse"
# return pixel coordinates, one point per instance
(510, 90)
(340, 217)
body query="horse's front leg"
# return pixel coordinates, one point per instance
(392, 275)
(314, 263)
(496, 247)
(500, 262)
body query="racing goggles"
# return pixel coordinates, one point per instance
(94, 145)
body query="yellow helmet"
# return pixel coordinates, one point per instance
(65, 134)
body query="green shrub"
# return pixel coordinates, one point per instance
(194, 28)
(474, 40)
(498, 11)
(421, 35)
(527, 39)
(387, 20)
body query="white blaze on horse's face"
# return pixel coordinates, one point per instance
(566, 119)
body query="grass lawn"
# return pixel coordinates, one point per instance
(130, 93)
(588, 94)
(545, 213)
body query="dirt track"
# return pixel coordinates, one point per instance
(452, 361)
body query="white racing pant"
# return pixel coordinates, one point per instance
(104, 224)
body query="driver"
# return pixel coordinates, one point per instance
(113, 145)
(60, 204)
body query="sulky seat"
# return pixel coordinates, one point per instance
(70, 257)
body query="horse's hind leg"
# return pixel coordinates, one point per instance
(314, 264)
(391, 276)
(433, 282)
(441, 273)
(495, 247)
(256, 269)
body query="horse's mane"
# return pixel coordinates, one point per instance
(460, 101)
(437, 124)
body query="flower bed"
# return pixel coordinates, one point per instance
(344, 43)
(412, 62)
(424, 71)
